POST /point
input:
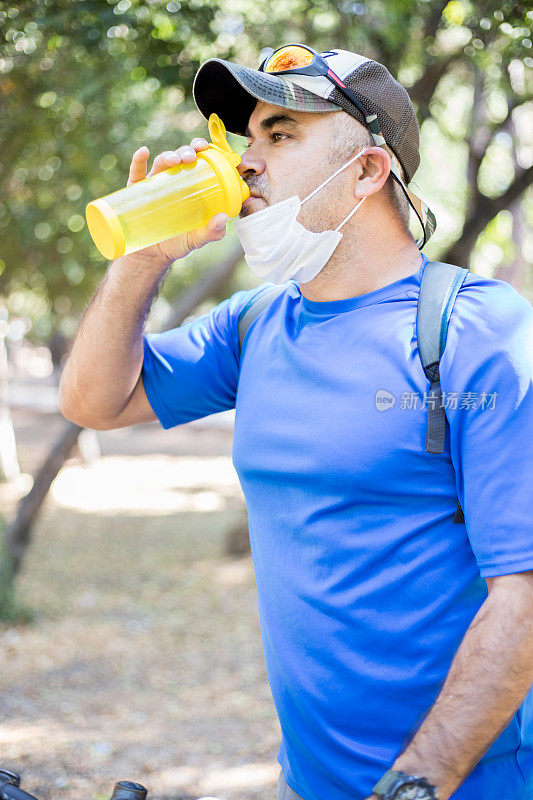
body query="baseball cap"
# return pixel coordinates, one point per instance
(231, 91)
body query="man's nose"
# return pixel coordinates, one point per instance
(251, 163)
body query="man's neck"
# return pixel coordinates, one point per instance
(364, 265)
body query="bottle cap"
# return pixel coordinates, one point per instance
(224, 161)
(105, 229)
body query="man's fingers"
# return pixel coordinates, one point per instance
(138, 165)
(199, 143)
(170, 158)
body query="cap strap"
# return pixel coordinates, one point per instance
(425, 215)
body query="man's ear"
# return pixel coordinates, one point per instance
(373, 172)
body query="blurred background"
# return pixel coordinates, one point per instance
(129, 638)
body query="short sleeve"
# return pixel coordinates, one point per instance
(192, 371)
(487, 383)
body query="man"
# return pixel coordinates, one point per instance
(393, 638)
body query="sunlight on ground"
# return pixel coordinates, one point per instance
(15, 737)
(159, 484)
(241, 777)
(233, 573)
(21, 740)
(262, 773)
(48, 736)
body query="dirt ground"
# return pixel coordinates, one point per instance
(145, 660)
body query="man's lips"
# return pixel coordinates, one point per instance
(252, 197)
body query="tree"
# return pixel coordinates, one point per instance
(83, 84)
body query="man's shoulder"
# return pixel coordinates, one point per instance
(243, 300)
(490, 320)
(268, 288)
(490, 307)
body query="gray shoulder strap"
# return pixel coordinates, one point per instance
(438, 289)
(254, 307)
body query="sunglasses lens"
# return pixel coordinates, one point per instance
(292, 57)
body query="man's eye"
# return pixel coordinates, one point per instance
(272, 136)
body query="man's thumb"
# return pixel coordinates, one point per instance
(220, 221)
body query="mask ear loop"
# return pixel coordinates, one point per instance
(352, 212)
(332, 176)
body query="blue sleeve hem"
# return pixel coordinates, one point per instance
(192, 371)
(494, 570)
(157, 404)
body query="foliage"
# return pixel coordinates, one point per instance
(84, 84)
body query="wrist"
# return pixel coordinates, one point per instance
(399, 785)
(413, 763)
(140, 265)
(135, 278)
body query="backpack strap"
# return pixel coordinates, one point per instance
(438, 289)
(254, 307)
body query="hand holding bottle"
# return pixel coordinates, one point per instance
(183, 244)
(176, 207)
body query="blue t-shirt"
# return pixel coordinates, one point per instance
(365, 584)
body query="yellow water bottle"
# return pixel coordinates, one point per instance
(174, 201)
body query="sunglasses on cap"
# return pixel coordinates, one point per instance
(299, 59)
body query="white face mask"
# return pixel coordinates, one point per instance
(278, 248)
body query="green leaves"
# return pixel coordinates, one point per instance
(84, 84)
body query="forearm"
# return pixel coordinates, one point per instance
(106, 357)
(488, 679)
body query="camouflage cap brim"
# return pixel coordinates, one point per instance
(231, 91)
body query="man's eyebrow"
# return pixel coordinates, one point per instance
(269, 122)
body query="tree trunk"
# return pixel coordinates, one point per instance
(485, 210)
(515, 273)
(18, 534)
(9, 465)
